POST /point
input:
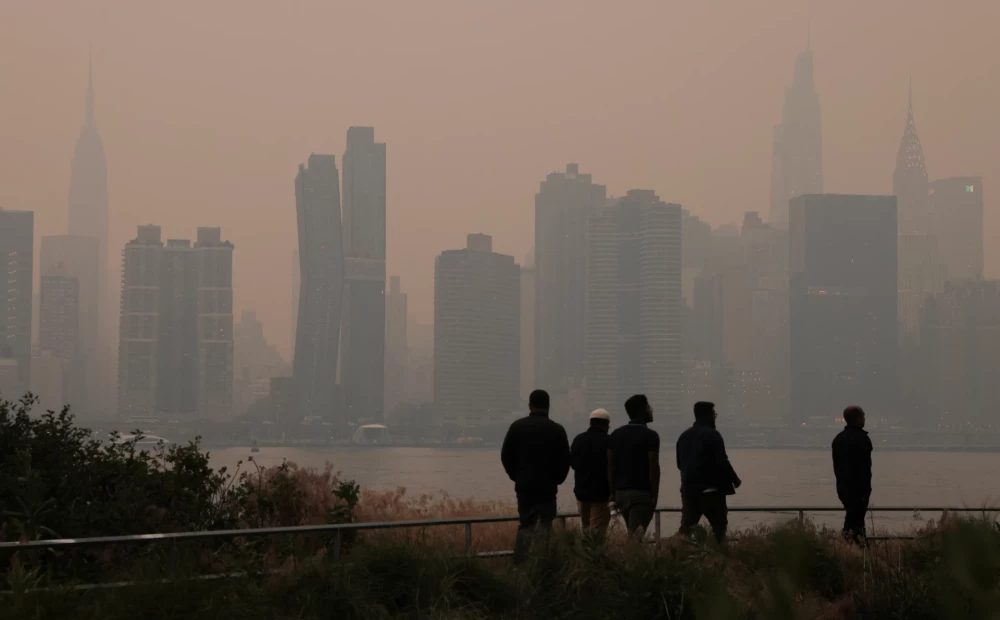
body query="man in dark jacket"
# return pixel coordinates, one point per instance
(852, 465)
(634, 466)
(590, 467)
(707, 476)
(535, 455)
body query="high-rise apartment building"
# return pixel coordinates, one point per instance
(176, 339)
(396, 346)
(214, 267)
(957, 222)
(17, 243)
(477, 311)
(88, 217)
(321, 265)
(797, 162)
(843, 305)
(363, 347)
(78, 258)
(564, 204)
(634, 309)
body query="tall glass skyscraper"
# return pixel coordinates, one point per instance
(321, 268)
(363, 351)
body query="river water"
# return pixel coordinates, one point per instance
(770, 477)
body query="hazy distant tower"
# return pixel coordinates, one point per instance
(564, 204)
(88, 217)
(634, 303)
(843, 305)
(797, 166)
(176, 328)
(321, 265)
(363, 350)
(909, 180)
(17, 235)
(477, 318)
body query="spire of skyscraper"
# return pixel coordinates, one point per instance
(89, 121)
(797, 164)
(909, 181)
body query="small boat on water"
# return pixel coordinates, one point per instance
(253, 445)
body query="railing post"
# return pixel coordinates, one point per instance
(562, 523)
(336, 545)
(802, 517)
(468, 540)
(656, 525)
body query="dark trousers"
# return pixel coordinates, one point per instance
(637, 510)
(710, 505)
(533, 515)
(855, 508)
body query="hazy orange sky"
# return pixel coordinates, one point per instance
(207, 107)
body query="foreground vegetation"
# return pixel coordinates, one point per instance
(56, 481)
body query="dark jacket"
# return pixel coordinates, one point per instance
(852, 461)
(535, 455)
(702, 460)
(590, 465)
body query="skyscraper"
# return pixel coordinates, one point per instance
(363, 355)
(564, 205)
(797, 163)
(214, 265)
(57, 368)
(909, 180)
(957, 222)
(959, 380)
(395, 345)
(88, 217)
(476, 337)
(634, 309)
(77, 257)
(321, 268)
(176, 340)
(843, 305)
(17, 242)
(527, 327)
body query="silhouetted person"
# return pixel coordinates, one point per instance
(590, 467)
(634, 466)
(535, 455)
(707, 476)
(852, 465)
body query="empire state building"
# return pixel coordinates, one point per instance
(88, 190)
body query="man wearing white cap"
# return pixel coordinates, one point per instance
(590, 470)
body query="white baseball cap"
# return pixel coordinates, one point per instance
(600, 414)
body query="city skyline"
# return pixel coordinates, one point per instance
(164, 164)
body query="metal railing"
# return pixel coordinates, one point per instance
(338, 529)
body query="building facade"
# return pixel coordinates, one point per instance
(634, 309)
(477, 310)
(843, 305)
(76, 257)
(396, 346)
(957, 222)
(564, 204)
(363, 347)
(176, 338)
(959, 379)
(321, 268)
(17, 243)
